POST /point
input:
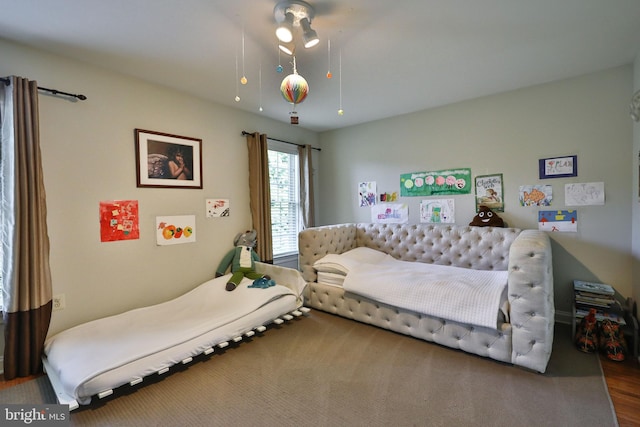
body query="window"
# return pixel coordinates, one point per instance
(285, 197)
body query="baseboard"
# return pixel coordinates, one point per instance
(565, 317)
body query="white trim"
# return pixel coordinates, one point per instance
(283, 147)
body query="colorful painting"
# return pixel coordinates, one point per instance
(119, 220)
(174, 230)
(489, 192)
(584, 194)
(562, 221)
(535, 195)
(437, 211)
(390, 213)
(367, 193)
(450, 181)
(389, 197)
(217, 208)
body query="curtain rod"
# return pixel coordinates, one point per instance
(7, 82)
(245, 133)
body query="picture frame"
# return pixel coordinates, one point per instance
(489, 192)
(558, 167)
(164, 160)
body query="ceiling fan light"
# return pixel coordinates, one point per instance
(311, 40)
(284, 31)
(309, 35)
(288, 48)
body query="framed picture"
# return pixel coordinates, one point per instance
(168, 161)
(558, 167)
(489, 192)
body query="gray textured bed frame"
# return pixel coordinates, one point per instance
(525, 341)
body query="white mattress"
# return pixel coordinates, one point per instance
(106, 353)
(467, 296)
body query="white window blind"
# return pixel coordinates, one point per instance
(285, 200)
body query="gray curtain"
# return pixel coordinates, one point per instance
(25, 242)
(306, 187)
(260, 194)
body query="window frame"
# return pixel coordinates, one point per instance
(290, 149)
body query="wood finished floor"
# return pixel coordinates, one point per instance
(623, 381)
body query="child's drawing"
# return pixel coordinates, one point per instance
(367, 193)
(536, 195)
(437, 211)
(562, 221)
(584, 194)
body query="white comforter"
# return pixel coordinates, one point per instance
(463, 295)
(112, 351)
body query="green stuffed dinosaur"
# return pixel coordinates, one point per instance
(242, 260)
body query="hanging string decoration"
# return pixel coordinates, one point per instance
(237, 92)
(329, 75)
(340, 110)
(243, 80)
(294, 89)
(279, 68)
(260, 85)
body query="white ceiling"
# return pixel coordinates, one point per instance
(398, 56)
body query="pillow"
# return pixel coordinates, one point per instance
(341, 263)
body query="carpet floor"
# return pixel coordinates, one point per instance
(323, 370)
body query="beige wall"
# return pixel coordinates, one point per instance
(507, 133)
(88, 155)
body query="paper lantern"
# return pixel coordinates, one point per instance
(294, 88)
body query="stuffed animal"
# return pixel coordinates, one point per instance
(242, 260)
(486, 218)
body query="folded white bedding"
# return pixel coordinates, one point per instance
(342, 263)
(332, 279)
(106, 353)
(463, 295)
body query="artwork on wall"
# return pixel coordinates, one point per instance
(450, 181)
(489, 192)
(390, 213)
(174, 230)
(119, 220)
(367, 193)
(437, 211)
(536, 195)
(167, 161)
(558, 221)
(217, 208)
(389, 197)
(584, 194)
(558, 167)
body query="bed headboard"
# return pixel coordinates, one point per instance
(480, 248)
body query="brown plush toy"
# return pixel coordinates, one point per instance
(486, 218)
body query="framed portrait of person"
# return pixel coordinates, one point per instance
(167, 161)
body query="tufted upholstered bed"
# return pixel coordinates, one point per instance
(524, 337)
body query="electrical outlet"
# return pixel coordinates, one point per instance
(58, 302)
